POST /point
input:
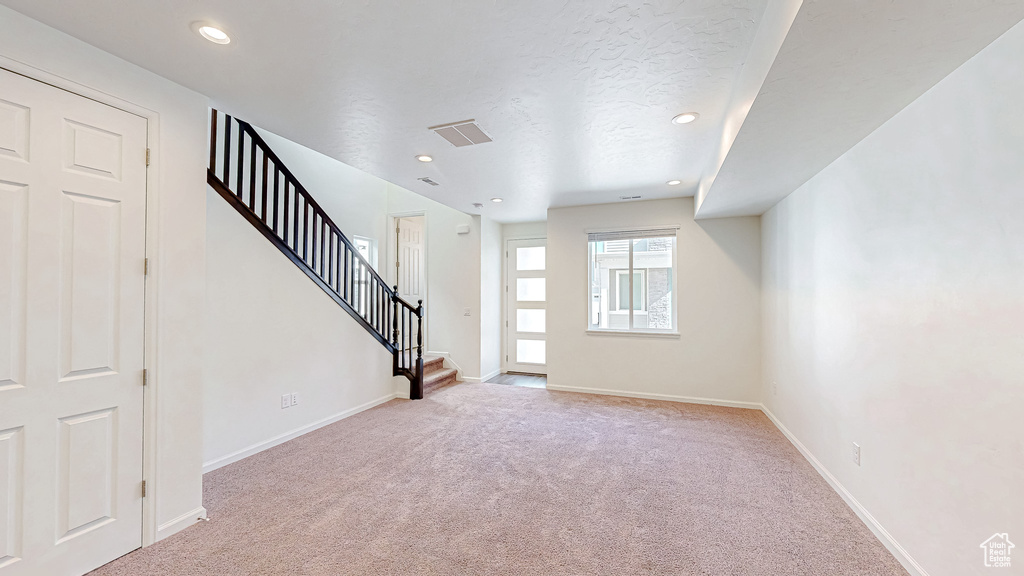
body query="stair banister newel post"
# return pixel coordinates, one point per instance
(394, 322)
(417, 386)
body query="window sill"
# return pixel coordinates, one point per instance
(636, 333)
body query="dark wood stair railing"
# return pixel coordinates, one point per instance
(270, 198)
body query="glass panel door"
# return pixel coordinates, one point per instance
(526, 340)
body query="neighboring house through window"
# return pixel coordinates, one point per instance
(632, 276)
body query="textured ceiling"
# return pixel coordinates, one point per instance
(845, 68)
(577, 95)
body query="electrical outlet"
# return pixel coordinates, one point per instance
(855, 454)
(295, 398)
(773, 388)
(467, 312)
(286, 400)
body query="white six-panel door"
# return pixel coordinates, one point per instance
(72, 248)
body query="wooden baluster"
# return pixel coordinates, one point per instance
(345, 270)
(323, 244)
(284, 206)
(313, 229)
(277, 202)
(263, 200)
(330, 259)
(252, 174)
(241, 162)
(213, 141)
(295, 219)
(305, 230)
(227, 151)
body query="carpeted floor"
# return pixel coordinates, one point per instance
(489, 479)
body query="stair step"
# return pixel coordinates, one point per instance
(432, 364)
(439, 377)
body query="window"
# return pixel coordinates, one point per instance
(632, 277)
(367, 248)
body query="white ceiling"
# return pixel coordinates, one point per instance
(845, 68)
(577, 94)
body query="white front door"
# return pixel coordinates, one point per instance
(526, 340)
(72, 248)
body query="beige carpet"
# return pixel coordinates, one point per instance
(490, 479)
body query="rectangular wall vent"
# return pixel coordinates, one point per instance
(428, 181)
(460, 134)
(629, 197)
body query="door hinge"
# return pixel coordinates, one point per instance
(143, 488)
(145, 267)
(147, 156)
(145, 376)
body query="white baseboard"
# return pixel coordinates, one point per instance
(667, 397)
(880, 532)
(180, 523)
(483, 378)
(282, 438)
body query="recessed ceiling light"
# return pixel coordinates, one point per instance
(424, 158)
(685, 118)
(674, 182)
(211, 33)
(496, 200)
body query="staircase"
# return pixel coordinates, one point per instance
(435, 375)
(249, 176)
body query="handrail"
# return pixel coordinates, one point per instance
(269, 196)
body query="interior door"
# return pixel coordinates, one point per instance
(72, 249)
(411, 262)
(526, 341)
(410, 259)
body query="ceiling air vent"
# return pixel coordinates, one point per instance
(460, 134)
(428, 181)
(629, 197)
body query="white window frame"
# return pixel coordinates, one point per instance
(624, 233)
(371, 246)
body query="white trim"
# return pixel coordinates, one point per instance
(635, 333)
(448, 360)
(631, 229)
(180, 523)
(651, 396)
(876, 528)
(150, 530)
(282, 438)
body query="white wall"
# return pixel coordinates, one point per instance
(355, 200)
(453, 278)
(894, 315)
(717, 355)
(272, 331)
(178, 140)
(491, 263)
